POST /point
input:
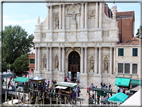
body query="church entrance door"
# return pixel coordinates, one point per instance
(74, 64)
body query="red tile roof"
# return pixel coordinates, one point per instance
(133, 41)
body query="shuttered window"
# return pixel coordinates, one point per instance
(134, 68)
(135, 51)
(32, 61)
(127, 68)
(120, 67)
(120, 52)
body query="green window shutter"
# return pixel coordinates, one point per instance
(120, 52)
(135, 52)
(30, 61)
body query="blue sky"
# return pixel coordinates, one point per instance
(26, 14)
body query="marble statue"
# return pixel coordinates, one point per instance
(73, 15)
(91, 63)
(38, 21)
(105, 65)
(56, 61)
(44, 61)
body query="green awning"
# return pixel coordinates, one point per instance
(122, 82)
(118, 98)
(66, 84)
(21, 79)
(136, 82)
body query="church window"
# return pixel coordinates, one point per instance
(120, 52)
(134, 68)
(135, 51)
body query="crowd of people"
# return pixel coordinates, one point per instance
(124, 90)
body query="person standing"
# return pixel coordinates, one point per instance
(48, 82)
(109, 86)
(79, 91)
(65, 79)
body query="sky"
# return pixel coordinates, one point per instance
(26, 14)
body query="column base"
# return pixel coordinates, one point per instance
(83, 80)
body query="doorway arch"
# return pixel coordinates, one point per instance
(74, 64)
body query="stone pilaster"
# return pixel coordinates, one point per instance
(85, 71)
(100, 60)
(82, 16)
(59, 59)
(47, 20)
(86, 16)
(96, 20)
(96, 57)
(50, 59)
(39, 59)
(63, 21)
(60, 17)
(51, 18)
(36, 58)
(114, 60)
(110, 60)
(63, 59)
(100, 15)
(81, 59)
(47, 59)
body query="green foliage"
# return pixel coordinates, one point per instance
(15, 42)
(21, 63)
(138, 34)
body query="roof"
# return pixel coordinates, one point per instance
(122, 82)
(133, 41)
(118, 98)
(134, 100)
(21, 79)
(66, 84)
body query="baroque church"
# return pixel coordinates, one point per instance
(77, 40)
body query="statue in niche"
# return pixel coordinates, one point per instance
(56, 61)
(91, 64)
(57, 23)
(38, 21)
(73, 16)
(44, 61)
(105, 66)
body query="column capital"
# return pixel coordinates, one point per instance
(86, 3)
(82, 3)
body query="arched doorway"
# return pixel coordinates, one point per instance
(74, 64)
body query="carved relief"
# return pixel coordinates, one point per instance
(43, 35)
(97, 34)
(105, 33)
(91, 13)
(113, 34)
(61, 36)
(49, 36)
(106, 64)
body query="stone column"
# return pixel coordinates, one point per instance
(51, 17)
(63, 21)
(35, 58)
(110, 60)
(100, 16)
(86, 18)
(85, 60)
(96, 21)
(63, 59)
(114, 61)
(96, 59)
(47, 60)
(81, 59)
(60, 13)
(47, 22)
(82, 15)
(38, 59)
(59, 59)
(100, 60)
(50, 59)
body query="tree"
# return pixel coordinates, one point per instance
(15, 42)
(21, 63)
(138, 34)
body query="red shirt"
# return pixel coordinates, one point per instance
(88, 88)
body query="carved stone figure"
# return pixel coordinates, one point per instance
(56, 61)
(73, 15)
(105, 65)
(91, 63)
(38, 21)
(57, 23)
(44, 61)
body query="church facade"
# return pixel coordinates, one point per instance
(77, 38)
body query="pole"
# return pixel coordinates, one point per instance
(12, 100)
(5, 96)
(56, 100)
(65, 99)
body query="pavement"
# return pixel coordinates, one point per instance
(83, 99)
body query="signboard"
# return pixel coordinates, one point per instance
(39, 81)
